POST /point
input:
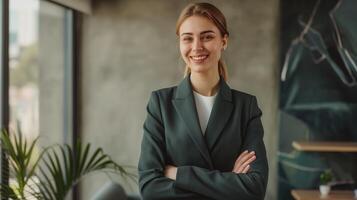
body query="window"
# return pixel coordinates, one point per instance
(40, 71)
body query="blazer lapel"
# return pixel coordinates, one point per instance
(221, 112)
(186, 108)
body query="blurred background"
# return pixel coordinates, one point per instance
(85, 69)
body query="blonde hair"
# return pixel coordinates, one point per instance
(213, 14)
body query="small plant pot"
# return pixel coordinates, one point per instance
(324, 190)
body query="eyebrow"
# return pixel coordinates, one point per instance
(203, 32)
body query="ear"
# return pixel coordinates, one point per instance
(225, 41)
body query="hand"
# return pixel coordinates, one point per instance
(170, 172)
(242, 164)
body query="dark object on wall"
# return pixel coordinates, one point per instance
(319, 77)
(318, 95)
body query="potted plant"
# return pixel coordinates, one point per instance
(51, 173)
(325, 180)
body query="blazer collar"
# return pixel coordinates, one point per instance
(184, 89)
(185, 106)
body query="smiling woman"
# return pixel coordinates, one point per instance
(214, 35)
(201, 44)
(202, 139)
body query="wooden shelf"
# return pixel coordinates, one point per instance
(325, 146)
(315, 195)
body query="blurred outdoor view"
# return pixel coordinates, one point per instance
(40, 71)
(24, 66)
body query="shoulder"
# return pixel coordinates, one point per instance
(247, 102)
(242, 96)
(244, 99)
(164, 93)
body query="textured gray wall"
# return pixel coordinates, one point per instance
(129, 48)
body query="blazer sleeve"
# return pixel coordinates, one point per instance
(229, 185)
(152, 182)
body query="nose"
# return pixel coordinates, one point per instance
(197, 45)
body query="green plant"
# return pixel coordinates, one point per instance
(52, 174)
(20, 153)
(326, 177)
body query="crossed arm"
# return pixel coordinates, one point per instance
(241, 165)
(247, 180)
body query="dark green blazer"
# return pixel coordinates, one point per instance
(172, 135)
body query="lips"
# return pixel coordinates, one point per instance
(199, 58)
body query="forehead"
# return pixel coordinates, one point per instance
(197, 24)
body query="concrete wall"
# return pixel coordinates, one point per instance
(129, 48)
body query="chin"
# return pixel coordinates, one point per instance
(199, 68)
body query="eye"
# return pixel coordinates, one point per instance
(187, 39)
(207, 37)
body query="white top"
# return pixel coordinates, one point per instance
(204, 105)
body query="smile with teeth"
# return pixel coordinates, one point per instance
(199, 58)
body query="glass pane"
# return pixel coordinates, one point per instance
(40, 72)
(24, 68)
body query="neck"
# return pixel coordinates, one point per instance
(205, 83)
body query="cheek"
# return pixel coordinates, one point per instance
(216, 50)
(218, 53)
(214, 47)
(184, 51)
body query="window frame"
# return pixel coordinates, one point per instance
(71, 35)
(4, 85)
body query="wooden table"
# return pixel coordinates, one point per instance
(315, 146)
(315, 195)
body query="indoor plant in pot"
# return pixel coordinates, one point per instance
(325, 180)
(51, 173)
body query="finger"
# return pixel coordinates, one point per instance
(249, 161)
(242, 169)
(166, 172)
(245, 158)
(246, 169)
(239, 165)
(242, 154)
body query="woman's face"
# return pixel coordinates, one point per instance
(201, 44)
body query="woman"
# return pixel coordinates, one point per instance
(202, 140)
